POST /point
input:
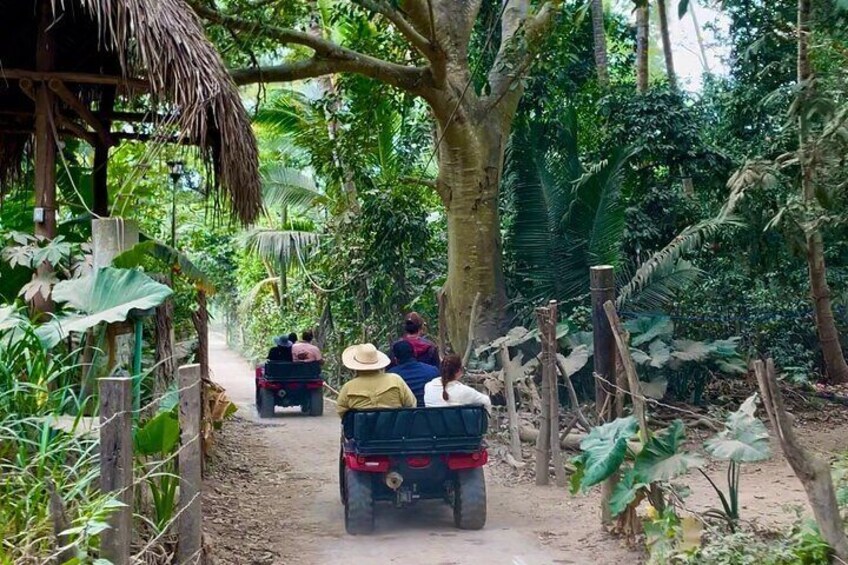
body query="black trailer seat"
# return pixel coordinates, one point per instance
(276, 371)
(410, 431)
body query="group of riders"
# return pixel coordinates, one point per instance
(413, 376)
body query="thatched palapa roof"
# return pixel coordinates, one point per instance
(152, 54)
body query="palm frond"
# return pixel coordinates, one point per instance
(689, 240)
(252, 295)
(283, 247)
(287, 187)
(667, 281)
(167, 255)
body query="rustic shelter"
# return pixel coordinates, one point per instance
(106, 71)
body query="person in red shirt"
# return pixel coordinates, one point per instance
(304, 351)
(423, 349)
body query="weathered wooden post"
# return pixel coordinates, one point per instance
(116, 464)
(190, 544)
(510, 368)
(549, 357)
(543, 441)
(602, 286)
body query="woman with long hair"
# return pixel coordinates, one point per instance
(446, 390)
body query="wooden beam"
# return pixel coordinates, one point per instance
(79, 78)
(146, 137)
(141, 117)
(82, 111)
(100, 171)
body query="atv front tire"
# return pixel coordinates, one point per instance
(359, 502)
(469, 508)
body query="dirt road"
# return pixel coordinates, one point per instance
(272, 497)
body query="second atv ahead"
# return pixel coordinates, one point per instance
(280, 383)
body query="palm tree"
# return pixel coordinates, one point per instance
(600, 42)
(583, 220)
(666, 44)
(642, 42)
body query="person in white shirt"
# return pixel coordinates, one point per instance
(446, 390)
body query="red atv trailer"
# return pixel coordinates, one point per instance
(280, 383)
(409, 454)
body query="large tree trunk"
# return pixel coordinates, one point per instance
(834, 359)
(600, 42)
(469, 182)
(666, 41)
(642, 41)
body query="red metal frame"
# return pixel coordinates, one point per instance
(382, 463)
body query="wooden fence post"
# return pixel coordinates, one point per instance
(549, 358)
(189, 548)
(543, 440)
(510, 369)
(602, 286)
(116, 465)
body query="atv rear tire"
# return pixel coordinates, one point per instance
(342, 476)
(359, 502)
(266, 403)
(469, 508)
(316, 402)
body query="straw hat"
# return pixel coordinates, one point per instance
(364, 357)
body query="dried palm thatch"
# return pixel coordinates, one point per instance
(159, 41)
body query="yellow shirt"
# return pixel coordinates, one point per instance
(375, 389)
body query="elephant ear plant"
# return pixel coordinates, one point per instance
(155, 443)
(744, 439)
(613, 448)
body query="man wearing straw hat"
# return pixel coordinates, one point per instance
(372, 387)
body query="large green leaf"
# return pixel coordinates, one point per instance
(625, 491)
(108, 295)
(688, 350)
(575, 361)
(643, 329)
(662, 458)
(744, 439)
(158, 436)
(604, 449)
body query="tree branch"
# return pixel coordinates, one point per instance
(329, 58)
(421, 43)
(412, 79)
(521, 33)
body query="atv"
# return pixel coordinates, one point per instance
(409, 454)
(280, 383)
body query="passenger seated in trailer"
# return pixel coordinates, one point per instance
(423, 349)
(372, 387)
(446, 390)
(282, 350)
(414, 372)
(304, 351)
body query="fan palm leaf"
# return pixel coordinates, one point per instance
(284, 187)
(283, 247)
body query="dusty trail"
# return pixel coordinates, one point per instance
(272, 497)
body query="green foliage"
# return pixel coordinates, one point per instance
(38, 455)
(157, 436)
(176, 261)
(603, 451)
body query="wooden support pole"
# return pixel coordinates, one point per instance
(190, 465)
(813, 473)
(200, 319)
(602, 286)
(45, 146)
(100, 171)
(549, 357)
(543, 441)
(116, 465)
(509, 373)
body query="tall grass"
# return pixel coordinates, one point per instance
(49, 502)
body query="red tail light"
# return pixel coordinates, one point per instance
(458, 461)
(418, 462)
